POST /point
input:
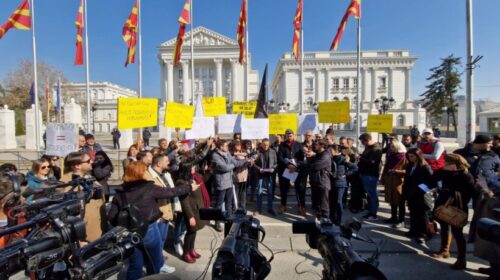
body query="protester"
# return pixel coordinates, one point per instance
(496, 144)
(55, 170)
(146, 135)
(116, 138)
(350, 144)
(343, 142)
(140, 191)
(146, 157)
(414, 131)
(432, 149)
(81, 142)
(308, 140)
(91, 147)
(406, 140)
(369, 168)
(240, 174)
(131, 156)
(392, 178)
(291, 156)
(436, 131)
(483, 161)
(266, 164)
(319, 164)
(39, 174)
(341, 169)
(102, 168)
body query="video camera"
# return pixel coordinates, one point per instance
(489, 229)
(51, 191)
(340, 261)
(239, 257)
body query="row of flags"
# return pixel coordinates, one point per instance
(20, 19)
(48, 97)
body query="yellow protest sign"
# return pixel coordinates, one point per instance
(214, 106)
(245, 108)
(380, 123)
(334, 112)
(279, 123)
(178, 115)
(137, 112)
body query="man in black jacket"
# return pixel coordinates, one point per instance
(320, 168)
(266, 164)
(291, 156)
(369, 168)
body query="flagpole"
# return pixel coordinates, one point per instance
(35, 79)
(358, 86)
(192, 50)
(87, 67)
(139, 54)
(58, 98)
(301, 82)
(246, 51)
(48, 104)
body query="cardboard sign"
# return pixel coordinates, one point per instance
(178, 115)
(279, 123)
(137, 112)
(245, 108)
(308, 122)
(380, 123)
(254, 129)
(203, 127)
(62, 139)
(334, 112)
(229, 124)
(214, 106)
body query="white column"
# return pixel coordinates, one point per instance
(73, 113)
(317, 85)
(374, 85)
(164, 132)
(327, 85)
(163, 81)
(127, 139)
(234, 83)
(407, 84)
(185, 82)
(31, 130)
(7, 129)
(218, 75)
(390, 86)
(365, 93)
(170, 80)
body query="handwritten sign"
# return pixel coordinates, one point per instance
(254, 128)
(380, 123)
(203, 127)
(308, 122)
(61, 139)
(245, 108)
(334, 112)
(179, 115)
(137, 112)
(279, 123)
(229, 124)
(214, 106)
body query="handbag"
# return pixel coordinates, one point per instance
(450, 214)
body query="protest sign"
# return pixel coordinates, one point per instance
(203, 127)
(214, 106)
(308, 122)
(137, 112)
(380, 123)
(178, 115)
(279, 123)
(245, 108)
(62, 139)
(229, 124)
(254, 128)
(334, 112)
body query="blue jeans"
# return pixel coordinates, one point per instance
(265, 182)
(336, 200)
(151, 241)
(370, 186)
(180, 227)
(225, 197)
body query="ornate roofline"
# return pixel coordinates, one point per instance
(197, 30)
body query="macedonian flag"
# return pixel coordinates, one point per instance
(129, 34)
(240, 33)
(297, 23)
(79, 35)
(184, 20)
(353, 9)
(20, 19)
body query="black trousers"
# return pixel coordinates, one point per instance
(241, 192)
(357, 192)
(116, 143)
(189, 240)
(419, 218)
(320, 201)
(146, 142)
(300, 191)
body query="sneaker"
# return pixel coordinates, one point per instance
(178, 248)
(398, 225)
(167, 269)
(370, 217)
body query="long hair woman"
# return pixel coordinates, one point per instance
(132, 152)
(458, 184)
(393, 178)
(39, 174)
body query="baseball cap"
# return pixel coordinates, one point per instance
(427, 130)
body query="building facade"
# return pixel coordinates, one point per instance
(217, 71)
(332, 76)
(104, 98)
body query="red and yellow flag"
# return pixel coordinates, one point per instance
(79, 35)
(240, 33)
(20, 19)
(297, 23)
(353, 9)
(129, 34)
(184, 19)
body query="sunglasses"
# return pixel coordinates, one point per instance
(43, 167)
(86, 161)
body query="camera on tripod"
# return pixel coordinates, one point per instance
(239, 257)
(340, 261)
(489, 229)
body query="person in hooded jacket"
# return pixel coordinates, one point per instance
(102, 167)
(342, 167)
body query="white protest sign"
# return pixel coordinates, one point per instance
(203, 127)
(308, 122)
(61, 139)
(254, 128)
(229, 124)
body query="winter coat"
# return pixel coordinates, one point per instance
(341, 169)
(271, 163)
(369, 162)
(191, 205)
(240, 173)
(166, 206)
(223, 170)
(116, 134)
(34, 182)
(320, 170)
(146, 134)
(288, 153)
(454, 181)
(102, 171)
(393, 182)
(486, 163)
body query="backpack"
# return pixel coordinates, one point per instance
(129, 216)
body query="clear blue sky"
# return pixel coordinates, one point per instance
(430, 29)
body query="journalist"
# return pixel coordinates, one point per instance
(38, 175)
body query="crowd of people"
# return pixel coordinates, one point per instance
(169, 183)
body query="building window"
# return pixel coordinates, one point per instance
(382, 82)
(310, 84)
(494, 125)
(336, 83)
(335, 99)
(355, 83)
(346, 83)
(401, 121)
(345, 98)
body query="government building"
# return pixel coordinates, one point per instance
(332, 76)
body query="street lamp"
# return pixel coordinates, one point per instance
(383, 104)
(283, 107)
(270, 105)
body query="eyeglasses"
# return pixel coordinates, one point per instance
(43, 167)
